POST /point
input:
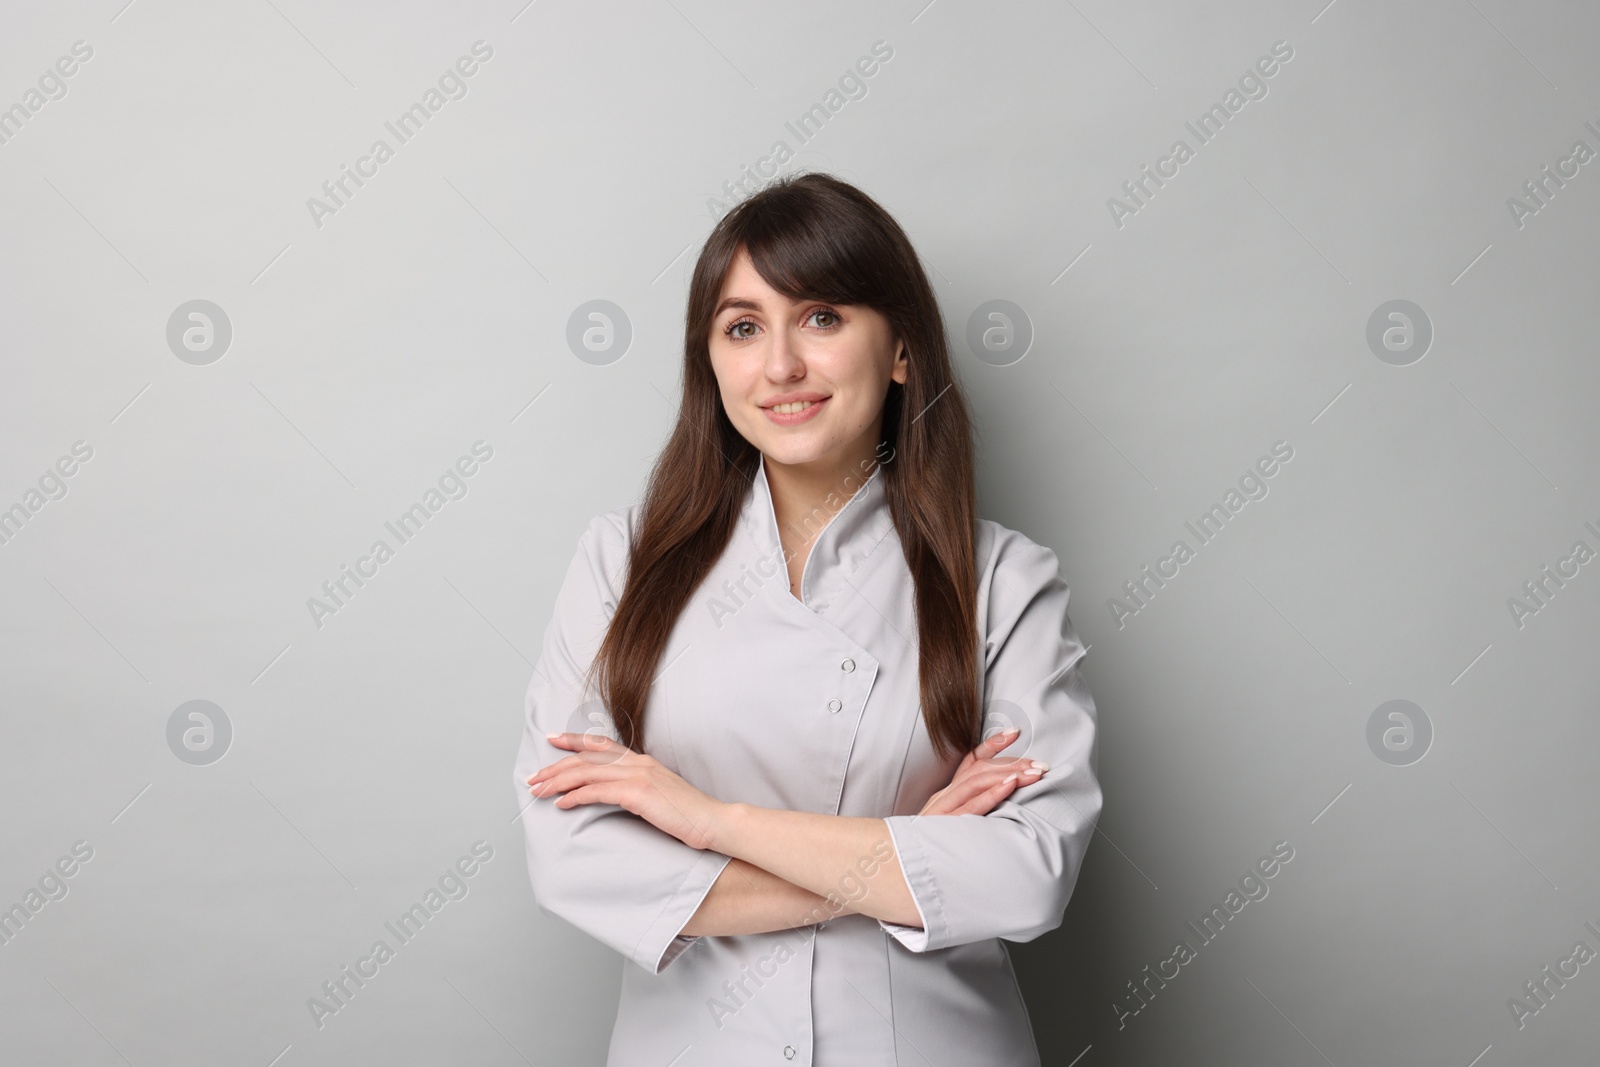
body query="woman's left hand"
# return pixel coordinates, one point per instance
(604, 771)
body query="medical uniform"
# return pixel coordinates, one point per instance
(812, 704)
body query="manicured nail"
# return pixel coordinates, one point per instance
(1040, 767)
(1033, 772)
(1009, 778)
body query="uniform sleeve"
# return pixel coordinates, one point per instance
(600, 867)
(1009, 873)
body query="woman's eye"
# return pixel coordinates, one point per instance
(830, 314)
(733, 328)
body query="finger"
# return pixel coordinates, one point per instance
(989, 799)
(579, 774)
(996, 742)
(589, 794)
(977, 784)
(553, 768)
(591, 741)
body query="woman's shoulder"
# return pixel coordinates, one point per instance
(1011, 557)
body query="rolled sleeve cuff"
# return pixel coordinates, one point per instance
(919, 879)
(662, 943)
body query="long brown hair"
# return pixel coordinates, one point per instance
(811, 237)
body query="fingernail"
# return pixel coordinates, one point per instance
(552, 736)
(1040, 767)
(1033, 772)
(1010, 778)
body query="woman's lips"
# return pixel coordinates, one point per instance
(810, 411)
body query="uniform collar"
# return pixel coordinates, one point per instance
(847, 539)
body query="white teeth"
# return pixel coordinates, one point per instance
(790, 409)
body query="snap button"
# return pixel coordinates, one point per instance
(834, 705)
(788, 1052)
(848, 665)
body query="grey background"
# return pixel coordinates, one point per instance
(1168, 354)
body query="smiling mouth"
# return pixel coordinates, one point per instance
(793, 408)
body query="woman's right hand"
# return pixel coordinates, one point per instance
(982, 781)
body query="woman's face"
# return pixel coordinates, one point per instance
(804, 381)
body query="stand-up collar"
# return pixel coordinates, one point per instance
(845, 540)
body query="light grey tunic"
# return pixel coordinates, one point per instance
(815, 707)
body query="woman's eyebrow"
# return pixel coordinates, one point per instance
(739, 302)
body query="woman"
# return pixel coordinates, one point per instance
(769, 792)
